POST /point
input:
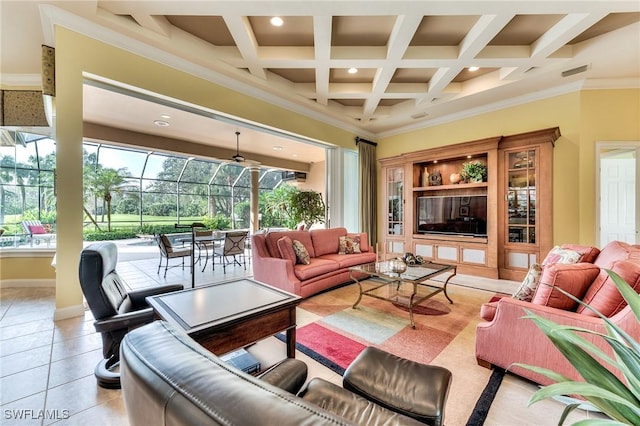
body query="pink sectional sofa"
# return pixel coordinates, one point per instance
(506, 338)
(274, 265)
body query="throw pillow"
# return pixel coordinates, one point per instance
(561, 255)
(285, 246)
(37, 229)
(604, 296)
(488, 310)
(529, 284)
(349, 245)
(302, 255)
(575, 279)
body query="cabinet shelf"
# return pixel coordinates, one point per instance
(459, 185)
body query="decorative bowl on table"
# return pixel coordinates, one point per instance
(397, 266)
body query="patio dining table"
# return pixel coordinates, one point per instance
(203, 242)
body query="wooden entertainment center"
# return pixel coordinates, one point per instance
(495, 228)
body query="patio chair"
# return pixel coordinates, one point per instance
(36, 232)
(233, 248)
(167, 251)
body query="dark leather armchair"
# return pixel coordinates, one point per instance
(168, 378)
(115, 309)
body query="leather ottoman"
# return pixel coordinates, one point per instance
(416, 390)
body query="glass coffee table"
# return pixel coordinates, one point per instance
(408, 289)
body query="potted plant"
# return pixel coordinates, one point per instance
(474, 171)
(620, 400)
(307, 207)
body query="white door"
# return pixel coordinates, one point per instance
(618, 196)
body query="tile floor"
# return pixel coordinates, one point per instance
(46, 367)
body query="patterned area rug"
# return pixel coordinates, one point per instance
(342, 332)
(333, 333)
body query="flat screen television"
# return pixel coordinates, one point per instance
(452, 215)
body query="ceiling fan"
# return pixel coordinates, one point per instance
(239, 158)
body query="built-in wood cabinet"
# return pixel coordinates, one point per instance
(494, 228)
(394, 217)
(526, 208)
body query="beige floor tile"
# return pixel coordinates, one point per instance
(109, 413)
(23, 384)
(72, 347)
(24, 412)
(11, 331)
(26, 342)
(74, 327)
(73, 368)
(25, 360)
(79, 395)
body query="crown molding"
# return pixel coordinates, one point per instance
(495, 106)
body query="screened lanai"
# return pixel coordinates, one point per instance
(145, 188)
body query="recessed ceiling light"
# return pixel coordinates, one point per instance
(277, 21)
(352, 70)
(294, 155)
(165, 116)
(277, 148)
(474, 68)
(161, 123)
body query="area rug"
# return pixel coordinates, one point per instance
(333, 333)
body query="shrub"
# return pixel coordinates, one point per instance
(217, 222)
(150, 229)
(118, 234)
(128, 206)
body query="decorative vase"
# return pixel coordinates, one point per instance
(397, 266)
(425, 177)
(455, 178)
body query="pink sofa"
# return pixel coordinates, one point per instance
(506, 338)
(274, 266)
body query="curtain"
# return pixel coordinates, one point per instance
(367, 189)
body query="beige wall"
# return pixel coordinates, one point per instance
(21, 268)
(583, 118)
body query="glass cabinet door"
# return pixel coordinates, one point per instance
(395, 201)
(521, 197)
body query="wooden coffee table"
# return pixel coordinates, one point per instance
(230, 315)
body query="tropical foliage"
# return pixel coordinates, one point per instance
(307, 207)
(104, 183)
(131, 184)
(290, 206)
(474, 171)
(618, 399)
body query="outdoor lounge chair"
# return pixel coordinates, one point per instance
(36, 232)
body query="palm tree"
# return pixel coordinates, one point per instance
(103, 183)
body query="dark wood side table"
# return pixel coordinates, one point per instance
(231, 314)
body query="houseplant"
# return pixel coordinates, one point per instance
(615, 398)
(307, 207)
(474, 171)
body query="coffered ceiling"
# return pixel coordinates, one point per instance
(413, 58)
